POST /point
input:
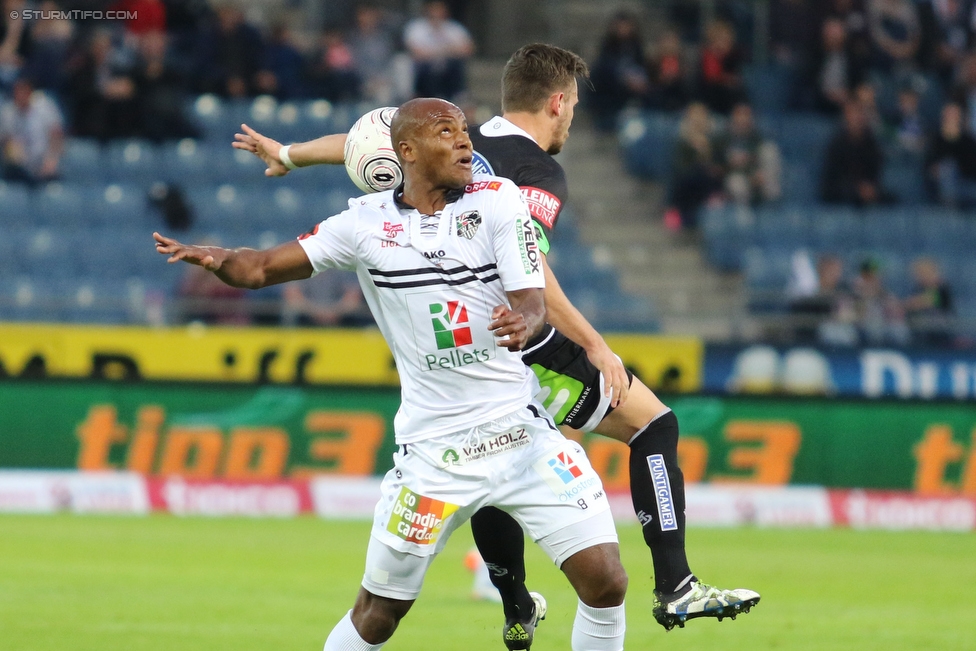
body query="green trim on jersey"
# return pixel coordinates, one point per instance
(559, 392)
(540, 235)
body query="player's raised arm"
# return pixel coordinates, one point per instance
(281, 159)
(246, 268)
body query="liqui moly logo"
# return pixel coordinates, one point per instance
(662, 491)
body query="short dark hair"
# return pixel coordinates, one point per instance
(537, 71)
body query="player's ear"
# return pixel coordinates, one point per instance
(556, 104)
(406, 151)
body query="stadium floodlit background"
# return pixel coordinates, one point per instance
(772, 218)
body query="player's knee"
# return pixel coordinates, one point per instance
(608, 592)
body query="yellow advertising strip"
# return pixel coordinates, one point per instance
(315, 356)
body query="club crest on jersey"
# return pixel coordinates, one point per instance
(480, 164)
(468, 223)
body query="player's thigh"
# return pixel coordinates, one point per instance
(597, 575)
(640, 408)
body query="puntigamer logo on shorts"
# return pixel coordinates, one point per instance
(418, 519)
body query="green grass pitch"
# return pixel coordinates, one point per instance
(168, 584)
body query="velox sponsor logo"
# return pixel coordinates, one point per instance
(542, 205)
(180, 497)
(480, 164)
(567, 479)
(391, 230)
(418, 519)
(449, 321)
(504, 442)
(662, 491)
(468, 223)
(482, 185)
(528, 245)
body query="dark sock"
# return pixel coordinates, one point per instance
(659, 500)
(502, 544)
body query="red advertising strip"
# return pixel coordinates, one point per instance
(902, 511)
(275, 499)
(76, 492)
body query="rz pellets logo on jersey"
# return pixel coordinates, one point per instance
(450, 324)
(528, 246)
(418, 519)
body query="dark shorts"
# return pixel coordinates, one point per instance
(572, 389)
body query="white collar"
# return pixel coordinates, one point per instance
(499, 126)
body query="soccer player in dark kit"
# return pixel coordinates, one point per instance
(583, 383)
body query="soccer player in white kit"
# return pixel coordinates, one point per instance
(450, 267)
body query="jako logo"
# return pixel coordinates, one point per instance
(564, 466)
(449, 321)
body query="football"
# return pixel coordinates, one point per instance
(370, 160)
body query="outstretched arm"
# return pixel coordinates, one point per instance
(246, 268)
(327, 150)
(565, 318)
(515, 326)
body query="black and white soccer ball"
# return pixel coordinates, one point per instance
(370, 160)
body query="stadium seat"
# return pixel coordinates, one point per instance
(82, 161)
(14, 203)
(891, 228)
(770, 88)
(906, 181)
(804, 138)
(133, 161)
(58, 205)
(836, 229)
(119, 205)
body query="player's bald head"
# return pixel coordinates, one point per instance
(412, 116)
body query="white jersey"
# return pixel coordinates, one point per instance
(431, 283)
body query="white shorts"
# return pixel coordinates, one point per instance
(519, 463)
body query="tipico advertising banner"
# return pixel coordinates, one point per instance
(241, 433)
(866, 372)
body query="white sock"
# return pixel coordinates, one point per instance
(345, 637)
(599, 629)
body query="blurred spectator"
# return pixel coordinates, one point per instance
(150, 16)
(373, 45)
(15, 41)
(31, 135)
(333, 70)
(964, 92)
(793, 31)
(721, 83)
(854, 16)
(838, 70)
(331, 298)
(946, 34)
(907, 125)
(102, 90)
(951, 161)
(439, 47)
(852, 167)
(930, 310)
(880, 316)
(826, 311)
(696, 178)
(50, 44)
(750, 163)
(867, 97)
(161, 93)
(619, 75)
(668, 77)
(229, 55)
(283, 66)
(895, 33)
